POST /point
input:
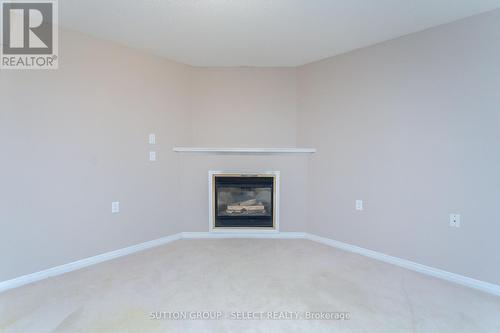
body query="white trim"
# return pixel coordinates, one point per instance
(75, 265)
(254, 234)
(238, 230)
(427, 270)
(276, 227)
(245, 150)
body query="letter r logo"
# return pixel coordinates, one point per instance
(27, 28)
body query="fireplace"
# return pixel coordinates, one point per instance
(242, 201)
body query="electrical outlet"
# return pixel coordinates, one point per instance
(115, 207)
(359, 204)
(455, 220)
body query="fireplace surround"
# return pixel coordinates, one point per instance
(243, 201)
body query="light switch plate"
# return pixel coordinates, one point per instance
(152, 156)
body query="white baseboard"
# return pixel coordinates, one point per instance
(435, 272)
(221, 234)
(431, 271)
(75, 265)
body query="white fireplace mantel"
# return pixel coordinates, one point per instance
(245, 150)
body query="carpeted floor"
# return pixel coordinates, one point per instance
(246, 285)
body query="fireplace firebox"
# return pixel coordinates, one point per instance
(243, 201)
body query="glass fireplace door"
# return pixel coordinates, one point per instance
(244, 201)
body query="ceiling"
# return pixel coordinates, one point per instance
(258, 32)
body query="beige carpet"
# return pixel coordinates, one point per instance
(245, 282)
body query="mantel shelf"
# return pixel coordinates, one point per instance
(245, 150)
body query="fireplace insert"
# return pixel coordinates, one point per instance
(243, 201)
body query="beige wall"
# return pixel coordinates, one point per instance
(244, 107)
(411, 126)
(75, 139)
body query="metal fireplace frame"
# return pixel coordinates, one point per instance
(211, 201)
